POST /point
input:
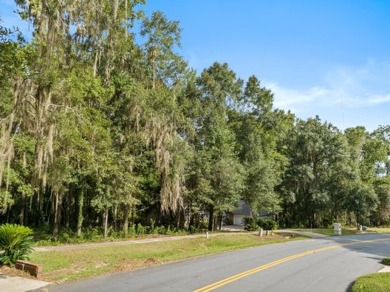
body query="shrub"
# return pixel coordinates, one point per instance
(132, 230)
(65, 237)
(93, 234)
(16, 242)
(170, 231)
(267, 224)
(250, 224)
(161, 230)
(140, 229)
(203, 225)
(152, 227)
(386, 261)
(192, 229)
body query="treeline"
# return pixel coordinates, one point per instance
(103, 124)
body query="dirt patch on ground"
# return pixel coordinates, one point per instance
(6, 270)
(136, 264)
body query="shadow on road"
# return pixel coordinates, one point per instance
(371, 246)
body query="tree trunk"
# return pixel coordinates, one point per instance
(57, 215)
(178, 219)
(211, 218)
(115, 215)
(22, 212)
(40, 217)
(105, 222)
(68, 209)
(126, 214)
(187, 217)
(80, 217)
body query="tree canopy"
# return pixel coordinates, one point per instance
(103, 123)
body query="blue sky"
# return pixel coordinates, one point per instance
(320, 57)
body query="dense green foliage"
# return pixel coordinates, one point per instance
(104, 125)
(386, 261)
(251, 224)
(267, 224)
(15, 243)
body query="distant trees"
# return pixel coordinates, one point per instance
(332, 176)
(99, 128)
(316, 158)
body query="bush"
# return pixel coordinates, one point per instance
(267, 224)
(132, 230)
(152, 227)
(16, 242)
(203, 225)
(93, 234)
(160, 230)
(140, 229)
(250, 224)
(386, 261)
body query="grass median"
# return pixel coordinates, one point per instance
(77, 263)
(373, 282)
(377, 282)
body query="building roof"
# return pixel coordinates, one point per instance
(243, 209)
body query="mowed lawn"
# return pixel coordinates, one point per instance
(347, 231)
(378, 282)
(80, 262)
(379, 230)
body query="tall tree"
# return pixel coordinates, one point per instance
(316, 152)
(219, 174)
(256, 145)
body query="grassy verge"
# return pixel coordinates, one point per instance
(347, 231)
(77, 263)
(330, 231)
(377, 282)
(373, 282)
(381, 230)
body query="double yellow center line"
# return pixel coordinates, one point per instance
(278, 262)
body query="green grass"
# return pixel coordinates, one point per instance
(382, 230)
(330, 231)
(76, 263)
(377, 282)
(347, 231)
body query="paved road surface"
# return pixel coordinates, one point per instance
(321, 264)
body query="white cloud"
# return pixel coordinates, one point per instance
(345, 96)
(379, 99)
(298, 100)
(363, 86)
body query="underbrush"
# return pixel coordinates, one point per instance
(252, 224)
(43, 237)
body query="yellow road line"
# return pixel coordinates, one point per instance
(277, 262)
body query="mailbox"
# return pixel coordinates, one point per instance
(337, 228)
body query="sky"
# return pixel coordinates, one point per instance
(329, 58)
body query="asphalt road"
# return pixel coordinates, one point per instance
(321, 264)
